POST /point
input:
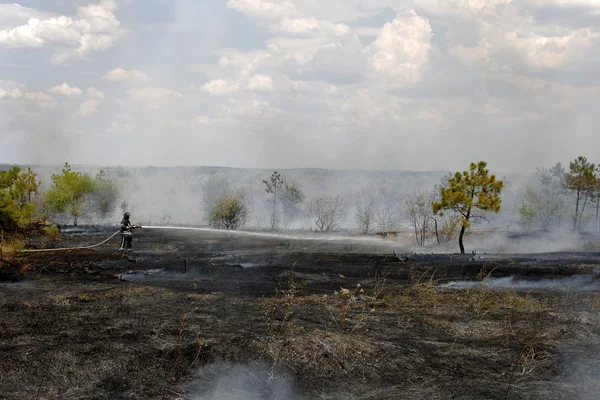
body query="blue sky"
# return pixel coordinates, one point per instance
(384, 84)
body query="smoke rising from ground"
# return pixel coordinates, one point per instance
(226, 381)
(576, 283)
(185, 196)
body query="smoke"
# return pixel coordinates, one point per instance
(226, 381)
(575, 283)
(582, 372)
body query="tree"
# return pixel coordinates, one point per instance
(213, 189)
(365, 211)
(543, 204)
(417, 208)
(27, 185)
(581, 180)
(291, 196)
(104, 195)
(328, 212)
(273, 186)
(387, 215)
(230, 212)
(16, 209)
(596, 196)
(69, 193)
(470, 194)
(528, 217)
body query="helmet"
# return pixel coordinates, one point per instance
(126, 215)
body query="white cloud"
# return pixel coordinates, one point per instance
(94, 93)
(15, 14)
(65, 90)
(263, 9)
(122, 75)
(220, 87)
(309, 27)
(509, 47)
(153, 97)
(13, 94)
(94, 28)
(12, 91)
(246, 108)
(402, 49)
(260, 83)
(336, 63)
(89, 108)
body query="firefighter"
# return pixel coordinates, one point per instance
(126, 232)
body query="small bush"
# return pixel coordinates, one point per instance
(51, 231)
(61, 301)
(84, 298)
(230, 212)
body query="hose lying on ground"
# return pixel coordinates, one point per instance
(69, 248)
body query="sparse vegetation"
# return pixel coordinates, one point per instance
(581, 181)
(470, 194)
(16, 190)
(70, 193)
(274, 186)
(419, 214)
(543, 205)
(365, 211)
(291, 197)
(328, 212)
(230, 212)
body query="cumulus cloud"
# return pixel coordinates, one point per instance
(380, 81)
(309, 27)
(94, 93)
(400, 54)
(337, 63)
(263, 9)
(16, 92)
(220, 87)
(260, 83)
(88, 108)
(122, 75)
(153, 97)
(65, 90)
(94, 28)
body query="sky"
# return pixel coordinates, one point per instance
(342, 84)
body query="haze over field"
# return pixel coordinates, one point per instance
(384, 84)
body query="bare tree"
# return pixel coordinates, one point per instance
(291, 196)
(387, 216)
(273, 186)
(417, 208)
(328, 212)
(365, 211)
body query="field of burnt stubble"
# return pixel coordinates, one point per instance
(199, 315)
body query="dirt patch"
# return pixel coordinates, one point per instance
(274, 321)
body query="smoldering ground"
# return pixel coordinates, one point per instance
(229, 381)
(420, 341)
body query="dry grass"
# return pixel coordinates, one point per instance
(200, 296)
(134, 291)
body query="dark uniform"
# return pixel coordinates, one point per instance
(126, 233)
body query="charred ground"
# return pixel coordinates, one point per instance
(260, 318)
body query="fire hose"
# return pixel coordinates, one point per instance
(72, 248)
